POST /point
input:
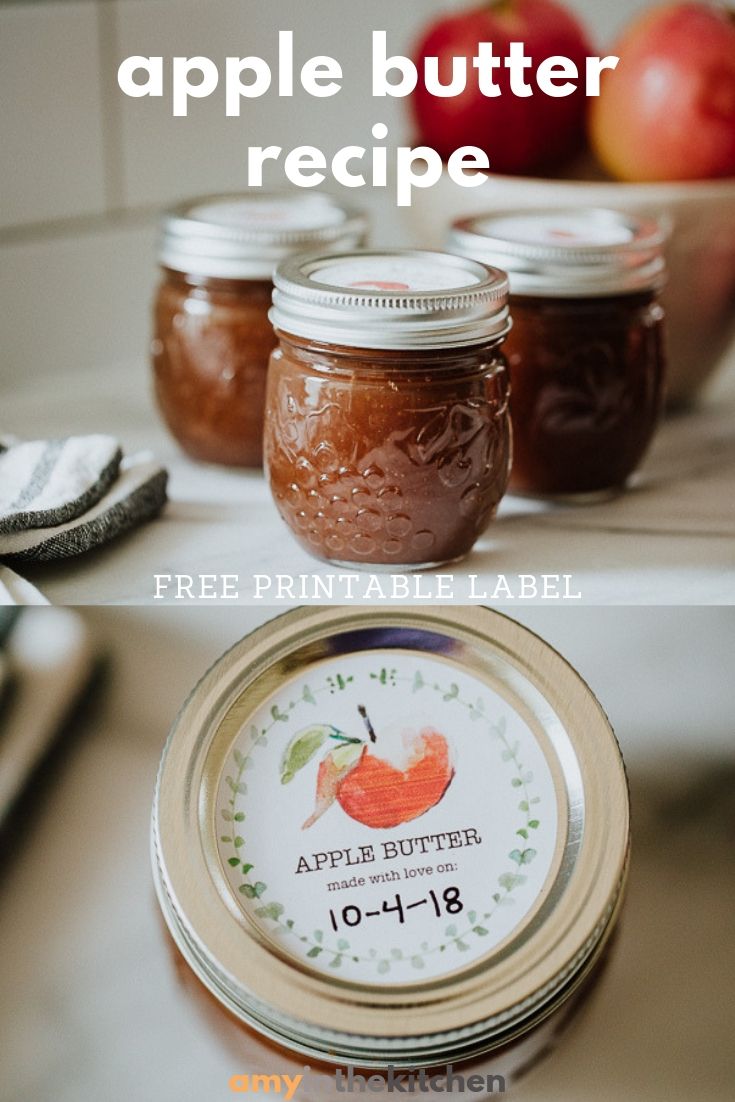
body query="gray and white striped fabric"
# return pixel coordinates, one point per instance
(50, 482)
(136, 495)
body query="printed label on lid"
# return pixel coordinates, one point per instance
(387, 818)
(391, 273)
(560, 228)
(299, 213)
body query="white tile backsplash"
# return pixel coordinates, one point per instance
(75, 302)
(76, 293)
(167, 157)
(51, 135)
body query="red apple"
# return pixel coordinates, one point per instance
(668, 111)
(519, 134)
(378, 794)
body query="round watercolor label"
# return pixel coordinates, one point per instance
(297, 213)
(397, 274)
(387, 818)
(561, 228)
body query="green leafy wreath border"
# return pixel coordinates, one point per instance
(508, 881)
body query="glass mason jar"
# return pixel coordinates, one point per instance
(586, 353)
(387, 438)
(212, 337)
(391, 842)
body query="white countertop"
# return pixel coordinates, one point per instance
(668, 540)
(90, 1008)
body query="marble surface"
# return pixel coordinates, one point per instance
(90, 1009)
(668, 540)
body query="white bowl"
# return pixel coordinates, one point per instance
(700, 295)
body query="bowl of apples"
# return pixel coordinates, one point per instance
(658, 140)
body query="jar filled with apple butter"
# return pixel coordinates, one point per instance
(212, 337)
(586, 353)
(390, 848)
(387, 438)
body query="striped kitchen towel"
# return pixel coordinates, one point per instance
(137, 494)
(49, 482)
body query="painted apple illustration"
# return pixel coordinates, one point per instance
(377, 791)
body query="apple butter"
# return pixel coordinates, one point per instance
(586, 354)
(387, 436)
(212, 337)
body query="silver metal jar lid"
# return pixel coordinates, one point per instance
(244, 236)
(450, 915)
(567, 254)
(390, 299)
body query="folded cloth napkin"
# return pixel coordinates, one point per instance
(15, 590)
(49, 482)
(138, 493)
(49, 657)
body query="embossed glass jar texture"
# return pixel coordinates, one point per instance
(212, 337)
(586, 354)
(587, 391)
(388, 843)
(389, 456)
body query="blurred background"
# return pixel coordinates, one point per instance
(90, 1008)
(85, 169)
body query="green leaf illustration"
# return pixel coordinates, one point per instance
(480, 931)
(315, 951)
(270, 910)
(522, 858)
(302, 748)
(511, 880)
(253, 891)
(417, 962)
(383, 967)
